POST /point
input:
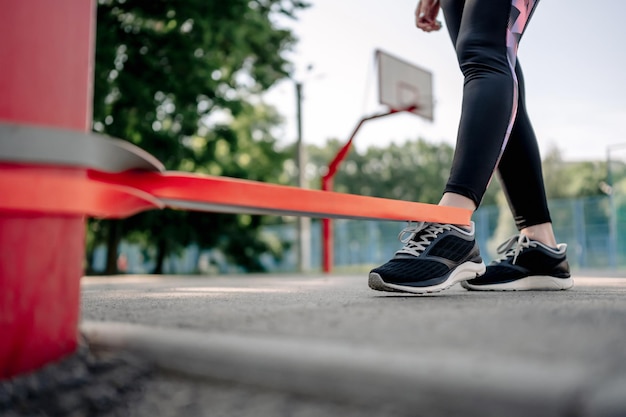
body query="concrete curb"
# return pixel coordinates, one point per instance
(435, 383)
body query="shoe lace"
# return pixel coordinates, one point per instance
(513, 246)
(426, 232)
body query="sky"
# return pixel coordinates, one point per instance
(573, 55)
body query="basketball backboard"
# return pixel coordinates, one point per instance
(402, 85)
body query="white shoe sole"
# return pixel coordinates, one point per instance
(462, 273)
(532, 283)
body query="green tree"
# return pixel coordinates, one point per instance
(572, 179)
(180, 79)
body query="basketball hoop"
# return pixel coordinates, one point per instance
(404, 86)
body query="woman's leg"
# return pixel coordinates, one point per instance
(485, 34)
(521, 176)
(494, 92)
(525, 192)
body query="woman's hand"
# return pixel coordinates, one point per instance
(426, 15)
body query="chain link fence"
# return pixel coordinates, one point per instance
(593, 228)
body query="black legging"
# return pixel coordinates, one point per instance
(494, 130)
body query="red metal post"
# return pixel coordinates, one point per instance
(46, 77)
(327, 232)
(327, 185)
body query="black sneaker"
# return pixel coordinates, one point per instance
(435, 257)
(525, 265)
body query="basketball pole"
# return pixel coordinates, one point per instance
(327, 185)
(304, 223)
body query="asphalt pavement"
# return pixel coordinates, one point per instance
(320, 345)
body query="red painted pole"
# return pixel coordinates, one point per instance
(327, 233)
(46, 67)
(327, 185)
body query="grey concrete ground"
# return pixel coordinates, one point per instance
(314, 345)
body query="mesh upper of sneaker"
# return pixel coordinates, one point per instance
(431, 250)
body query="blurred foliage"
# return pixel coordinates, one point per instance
(181, 80)
(567, 179)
